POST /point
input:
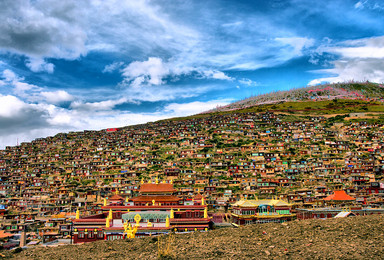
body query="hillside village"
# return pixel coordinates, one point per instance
(223, 158)
(192, 129)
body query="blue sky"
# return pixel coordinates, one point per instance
(80, 65)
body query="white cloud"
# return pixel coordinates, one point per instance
(97, 106)
(10, 106)
(39, 65)
(360, 60)
(234, 24)
(248, 82)
(113, 67)
(373, 5)
(297, 43)
(192, 108)
(57, 97)
(166, 93)
(361, 48)
(359, 5)
(149, 72)
(354, 69)
(41, 29)
(215, 74)
(154, 71)
(20, 88)
(10, 76)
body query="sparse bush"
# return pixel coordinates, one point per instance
(165, 247)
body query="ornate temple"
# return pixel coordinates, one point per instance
(155, 211)
(261, 211)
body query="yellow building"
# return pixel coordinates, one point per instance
(261, 211)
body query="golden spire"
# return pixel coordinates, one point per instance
(202, 201)
(205, 212)
(153, 202)
(105, 202)
(117, 192)
(126, 199)
(157, 180)
(171, 181)
(142, 181)
(77, 214)
(107, 222)
(172, 214)
(167, 222)
(110, 214)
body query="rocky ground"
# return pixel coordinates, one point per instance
(352, 238)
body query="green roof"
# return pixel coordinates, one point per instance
(146, 215)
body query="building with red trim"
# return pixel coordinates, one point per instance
(261, 211)
(331, 212)
(159, 211)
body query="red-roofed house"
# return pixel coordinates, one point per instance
(339, 197)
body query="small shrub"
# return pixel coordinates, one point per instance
(165, 247)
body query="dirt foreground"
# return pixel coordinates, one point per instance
(348, 238)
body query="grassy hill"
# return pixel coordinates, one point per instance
(314, 97)
(299, 110)
(348, 238)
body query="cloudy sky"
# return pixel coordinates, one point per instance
(81, 65)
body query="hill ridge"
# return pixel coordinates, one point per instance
(365, 91)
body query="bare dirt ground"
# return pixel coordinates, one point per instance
(349, 238)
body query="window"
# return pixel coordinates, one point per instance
(90, 234)
(81, 234)
(100, 234)
(114, 237)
